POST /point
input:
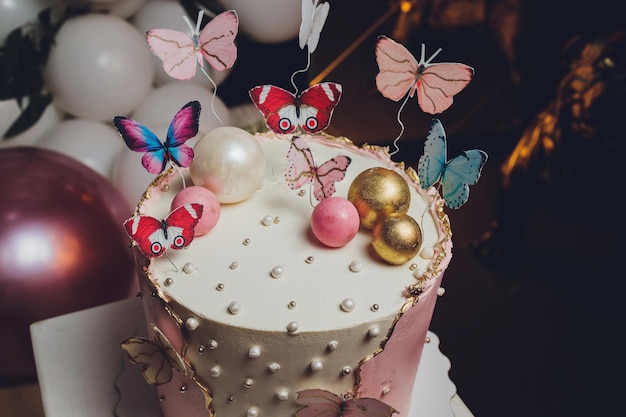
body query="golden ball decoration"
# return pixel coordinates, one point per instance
(378, 192)
(397, 238)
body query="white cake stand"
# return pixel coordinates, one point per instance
(83, 372)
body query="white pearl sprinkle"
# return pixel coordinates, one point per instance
(427, 253)
(316, 365)
(276, 220)
(189, 268)
(374, 331)
(292, 326)
(234, 307)
(192, 323)
(168, 282)
(215, 371)
(332, 345)
(346, 370)
(418, 273)
(248, 382)
(282, 394)
(347, 304)
(233, 265)
(254, 352)
(212, 344)
(441, 291)
(252, 412)
(386, 390)
(277, 272)
(273, 367)
(356, 266)
(267, 220)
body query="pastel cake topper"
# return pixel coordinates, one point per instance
(139, 138)
(453, 176)
(401, 75)
(303, 170)
(181, 52)
(157, 357)
(322, 403)
(285, 112)
(154, 236)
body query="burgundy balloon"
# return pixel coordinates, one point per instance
(62, 247)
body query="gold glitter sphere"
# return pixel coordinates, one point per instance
(397, 238)
(378, 192)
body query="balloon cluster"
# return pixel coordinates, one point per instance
(72, 181)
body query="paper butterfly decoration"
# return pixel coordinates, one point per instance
(302, 170)
(400, 73)
(322, 403)
(139, 138)
(314, 16)
(454, 176)
(154, 236)
(181, 52)
(285, 112)
(158, 358)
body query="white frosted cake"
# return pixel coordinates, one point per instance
(260, 312)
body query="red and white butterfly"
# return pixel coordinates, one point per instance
(154, 236)
(302, 170)
(157, 357)
(322, 403)
(314, 16)
(285, 112)
(181, 52)
(400, 73)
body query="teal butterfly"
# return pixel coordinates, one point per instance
(454, 176)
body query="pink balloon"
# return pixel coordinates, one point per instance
(99, 67)
(62, 247)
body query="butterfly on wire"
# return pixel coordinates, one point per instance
(454, 176)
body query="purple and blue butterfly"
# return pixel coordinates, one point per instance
(139, 138)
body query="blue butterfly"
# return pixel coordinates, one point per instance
(454, 176)
(139, 138)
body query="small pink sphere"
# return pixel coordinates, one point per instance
(335, 221)
(211, 211)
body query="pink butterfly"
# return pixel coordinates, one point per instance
(322, 403)
(180, 52)
(285, 112)
(436, 83)
(314, 16)
(154, 236)
(302, 170)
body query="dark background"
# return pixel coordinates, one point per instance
(543, 334)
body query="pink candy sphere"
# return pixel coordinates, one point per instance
(335, 221)
(197, 194)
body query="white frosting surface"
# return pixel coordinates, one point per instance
(234, 262)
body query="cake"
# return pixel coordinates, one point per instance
(259, 310)
(289, 272)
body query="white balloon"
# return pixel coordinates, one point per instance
(121, 8)
(99, 67)
(10, 111)
(93, 143)
(162, 103)
(267, 21)
(15, 13)
(168, 14)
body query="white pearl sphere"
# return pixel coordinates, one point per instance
(230, 162)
